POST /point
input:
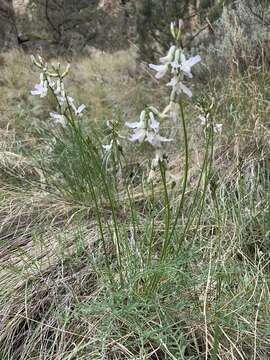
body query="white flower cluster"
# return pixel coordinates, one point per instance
(147, 129)
(53, 81)
(176, 62)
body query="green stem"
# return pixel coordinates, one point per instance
(206, 171)
(217, 211)
(207, 176)
(166, 243)
(151, 238)
(150, 245)
(168, 233)
(168, 211)
(130, 197)
(186, 171)
(114, 218)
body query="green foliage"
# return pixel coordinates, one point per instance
(74, 165)
(152, 30)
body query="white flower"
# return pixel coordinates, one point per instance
(203, 120)
(173, 82)
(183, 64)
(58, 90)
(146, 130)
(179, 87)
(59, 87)
(154, 164)
(40, 89)
(156, 160)
(78, 111)
(107, 153)
(61, 94)
(143, 124)
(160, 69)
(180, 24)
(175, 64)
(169, 57)
(173, 110)
(58, 118)
(155, 139)
(176, 59)
(217, 128)
(165, 61)
(186, 65)
(108, 147)
(154, 124)
(135, 125)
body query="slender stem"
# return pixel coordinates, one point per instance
(217, 211)
(166, 242)
(98, 216)
(114, 217)
(168, 211)
(151, 238)
(207, 176)
(132, 208)
(168, 233)
(186, 171)
(204, 170)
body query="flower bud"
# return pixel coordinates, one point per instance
(180, 24)
(176, 29)
(173, 29)
(179, 29)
